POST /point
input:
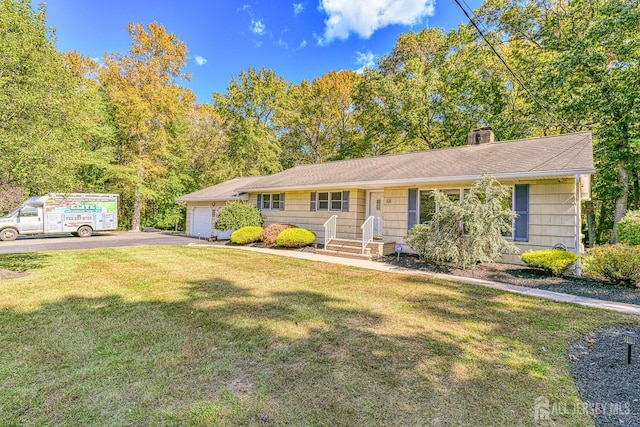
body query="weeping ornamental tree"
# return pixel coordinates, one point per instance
(468, 232)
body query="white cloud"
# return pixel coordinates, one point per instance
(200, 60)
(298, 8)
(282, 43)
(364, 17)
(258, 27)
(365, 60)
(303, 44)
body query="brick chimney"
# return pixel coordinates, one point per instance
(482, 135)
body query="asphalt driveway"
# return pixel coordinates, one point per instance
(98, 240)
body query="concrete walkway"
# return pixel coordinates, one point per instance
(380, 266)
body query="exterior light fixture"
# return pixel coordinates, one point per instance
(630, 338)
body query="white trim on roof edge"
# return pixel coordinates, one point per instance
(212, 199)
(416, 181)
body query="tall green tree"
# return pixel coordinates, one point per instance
(148, 101)
(581, 58)
(98, 169)
(248, 109)
(431, 90)
(41, 107)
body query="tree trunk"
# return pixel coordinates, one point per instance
(137, 200)
(591, 223)
(621, 202)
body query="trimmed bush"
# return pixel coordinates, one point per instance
(237, 214)
(629, 228)
(553, 261)
(295, 238)
(246, 235)
(271, 232)
(619, 264)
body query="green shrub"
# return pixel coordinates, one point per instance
(246, 235)
(469, 232)
(620, 264)
(554, 261)
(271, 232)
(629, 228)
(295, 238)
(237, 214)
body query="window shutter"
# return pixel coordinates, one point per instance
(412, 217)
(345, 201)
(281, 201)
(259, 204)
(313, 201)
(521, 207)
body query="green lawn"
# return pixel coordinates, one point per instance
(212, 336)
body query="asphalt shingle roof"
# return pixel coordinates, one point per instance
(224, 191)
(566, 154)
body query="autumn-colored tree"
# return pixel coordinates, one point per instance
(317, 122)
(147, 102)
(208, 148)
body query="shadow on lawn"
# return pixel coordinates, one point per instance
(301, 357)
(23, 262)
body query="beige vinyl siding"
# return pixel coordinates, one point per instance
(297, 212)
(552, 214)
(396, 204)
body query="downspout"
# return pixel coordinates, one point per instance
(578, 226)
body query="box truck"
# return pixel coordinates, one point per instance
(78, 213)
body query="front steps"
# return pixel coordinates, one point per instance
(349, 248)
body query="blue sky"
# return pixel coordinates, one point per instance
(297, 39)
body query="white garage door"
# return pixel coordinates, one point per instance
(201, 222)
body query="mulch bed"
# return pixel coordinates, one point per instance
(609, 387)
(521, 275)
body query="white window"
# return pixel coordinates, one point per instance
(330, 201)
(272, 201)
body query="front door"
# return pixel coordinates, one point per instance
(375, 210)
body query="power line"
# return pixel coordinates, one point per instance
(540, 102)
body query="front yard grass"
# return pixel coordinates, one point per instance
(213, 336)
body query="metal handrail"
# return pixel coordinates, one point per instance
(330, 229)
(367, 232)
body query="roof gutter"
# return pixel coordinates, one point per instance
(418, 181)
(213, 199)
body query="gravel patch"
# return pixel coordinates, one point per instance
(520, 275)
(609, 387)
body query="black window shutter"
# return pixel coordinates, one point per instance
(259, 204)
(521, 207)
(345, 201)
(412, 218)
(313, 203)
(281, 201)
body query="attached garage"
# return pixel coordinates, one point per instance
(201, 221)
(203, 205)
